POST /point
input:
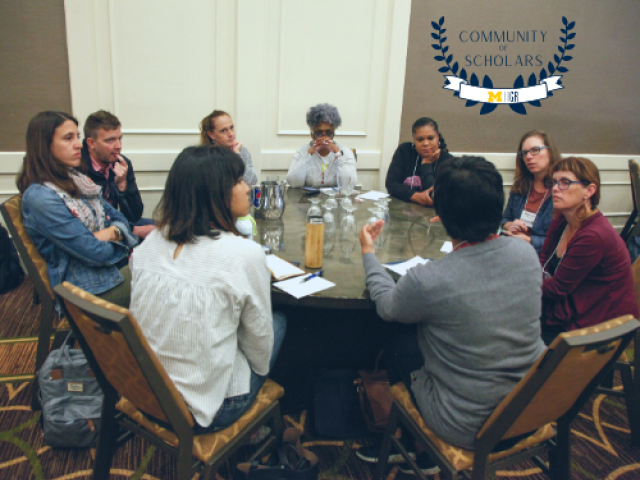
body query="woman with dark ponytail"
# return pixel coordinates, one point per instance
(413, 169)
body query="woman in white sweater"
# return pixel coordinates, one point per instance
(321, 161)
(201, 292)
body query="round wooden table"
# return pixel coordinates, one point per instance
(410, 234)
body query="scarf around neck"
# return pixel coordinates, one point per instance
(88, 208)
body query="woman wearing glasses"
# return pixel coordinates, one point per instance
(529, 209)
(413, 168)
(322, 161)
(587, 270)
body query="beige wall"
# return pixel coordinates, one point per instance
(34, 69)
(597, 112)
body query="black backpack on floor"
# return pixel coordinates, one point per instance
(11, 274)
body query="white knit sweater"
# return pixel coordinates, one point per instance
(206, 315)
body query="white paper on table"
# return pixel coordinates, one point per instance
(328, 190)
(401, 268)
(281, 269)
(447, 247)
(299, 289)
(373, 195)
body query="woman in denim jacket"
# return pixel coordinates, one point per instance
(83, 239)
(530, 208)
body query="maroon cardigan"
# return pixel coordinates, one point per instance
(593, 282)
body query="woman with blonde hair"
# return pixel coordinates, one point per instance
(529, 208)
(217, 129)
(586, 267)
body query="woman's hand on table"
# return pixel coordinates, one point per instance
(423, 198)
(368, 235)
(516, 227)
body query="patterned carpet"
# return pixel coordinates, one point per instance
(601, 441)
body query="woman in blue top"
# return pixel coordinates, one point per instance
(530, 208)
(83, 239)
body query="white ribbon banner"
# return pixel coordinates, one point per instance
(503, 95)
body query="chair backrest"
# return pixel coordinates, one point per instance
(119, 354)
(632, 228)
(36, 265)
(561, 380)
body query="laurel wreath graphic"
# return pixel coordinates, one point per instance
(519, 82)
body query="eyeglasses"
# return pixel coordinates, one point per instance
(563, 183)
(534, 151)
(323, 133)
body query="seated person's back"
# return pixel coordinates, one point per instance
(477, 310)
(201, 292)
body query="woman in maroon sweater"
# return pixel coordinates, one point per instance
(587, 268)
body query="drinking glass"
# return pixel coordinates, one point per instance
(384, 206)
(377, 214)
(344, 184)
(348, 230)
(346, 202)
(332, 199)
(329, 227)
(314, 209)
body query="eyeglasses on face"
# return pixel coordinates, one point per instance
(563, 183)
(534, 151)
(323, 133)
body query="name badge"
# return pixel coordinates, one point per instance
(528, 218)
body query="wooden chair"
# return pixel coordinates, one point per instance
(632, 227)
(630, 381)
(135, 383)
(554, 390)
(37, 271)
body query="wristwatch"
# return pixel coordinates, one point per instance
(118, 232)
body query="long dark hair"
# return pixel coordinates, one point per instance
(39, 165)
(197, 195)
(523, 178)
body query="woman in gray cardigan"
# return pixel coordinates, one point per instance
(477, 310)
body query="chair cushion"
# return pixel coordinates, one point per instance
(460, 458)
(206, 446)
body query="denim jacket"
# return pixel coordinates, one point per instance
(514, 209)
(71, 251)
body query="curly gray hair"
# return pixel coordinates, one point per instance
(323, 112)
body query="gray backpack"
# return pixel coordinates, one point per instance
(71, 399)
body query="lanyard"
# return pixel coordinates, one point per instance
(546, 274)
(530, 217)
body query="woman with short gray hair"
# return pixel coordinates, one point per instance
(322, 161)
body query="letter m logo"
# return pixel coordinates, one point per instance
(495, 97)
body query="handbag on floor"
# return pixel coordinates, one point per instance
(375, 397)
(71, 399)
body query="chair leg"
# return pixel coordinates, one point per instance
(631, 387)
(107, 438)
(185, 457)
(560, 455)
(44, 340)
(383, 456)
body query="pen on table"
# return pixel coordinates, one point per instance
(317, 274)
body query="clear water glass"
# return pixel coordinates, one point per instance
(329, 227)
(346, 202)
(314, 210)
(348, 230)
(377, 214)
(344, 184)
(384, 206)
(332, 199)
